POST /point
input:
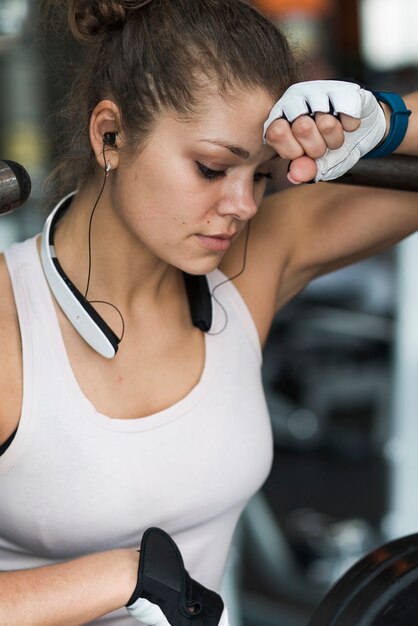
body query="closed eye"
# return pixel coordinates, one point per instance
(211, 174)
(208, 173)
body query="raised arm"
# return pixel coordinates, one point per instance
(309, 230)
(330, 227)
(302, 233)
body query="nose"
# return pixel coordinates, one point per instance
(238, 200)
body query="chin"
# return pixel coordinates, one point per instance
(200, 266)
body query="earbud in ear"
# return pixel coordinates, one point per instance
(109, 139)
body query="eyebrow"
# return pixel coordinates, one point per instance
(240, 152)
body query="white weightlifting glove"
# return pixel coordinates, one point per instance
(165, 594)
(334, 96)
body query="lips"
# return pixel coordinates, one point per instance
(221, 236)
(218, 243)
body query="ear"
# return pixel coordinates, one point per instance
(105, 118)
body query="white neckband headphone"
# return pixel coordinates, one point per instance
(82, 315)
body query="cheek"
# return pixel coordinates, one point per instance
(163, 192)
(156, 216)
(145, 196)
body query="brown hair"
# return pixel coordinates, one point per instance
(151, 55)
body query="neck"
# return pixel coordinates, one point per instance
(123, 270)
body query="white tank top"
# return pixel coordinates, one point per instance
(75, 481)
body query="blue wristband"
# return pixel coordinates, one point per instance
(398, 124)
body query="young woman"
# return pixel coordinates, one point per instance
(172, 429)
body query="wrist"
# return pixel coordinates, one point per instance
(397, 127)
(127, 574)
(131, 558)
(387, 111)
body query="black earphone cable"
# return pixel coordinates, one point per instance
(89, 236)
(117, 311)
(241, 271)
(213, 296)
(106, 172)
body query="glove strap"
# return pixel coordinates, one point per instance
(163, 583)
(398, 124)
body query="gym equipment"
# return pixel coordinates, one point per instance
(379, 590)
(396, 171)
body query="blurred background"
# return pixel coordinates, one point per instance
(340, 366)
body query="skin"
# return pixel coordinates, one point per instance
(159, 215)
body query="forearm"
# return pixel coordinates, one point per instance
(353, 223)
(320, 228)
(71, 593)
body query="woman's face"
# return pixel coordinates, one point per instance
(191, 190)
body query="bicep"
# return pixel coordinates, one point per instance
(307, 231)
(339, 225)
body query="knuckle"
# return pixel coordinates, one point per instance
(350, 124)
(302, 126)
(337, 142)
(327, 124)
(317, 152)
(276, 132)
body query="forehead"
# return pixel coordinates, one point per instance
(236, 119)
(239, 109)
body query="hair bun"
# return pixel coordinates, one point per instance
(90, 19)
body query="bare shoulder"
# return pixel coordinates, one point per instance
(10, 360)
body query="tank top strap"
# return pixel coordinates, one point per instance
(40, 334)
(35, 309)
(224, 296)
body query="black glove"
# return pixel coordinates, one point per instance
(165, 595)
